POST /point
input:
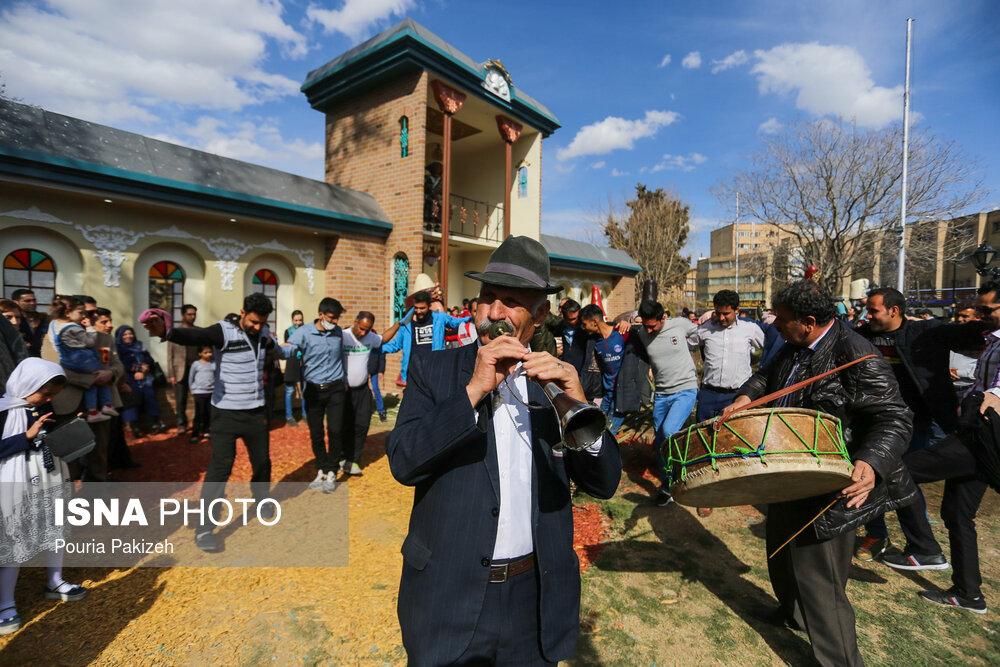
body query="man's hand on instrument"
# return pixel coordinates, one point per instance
(494, 362)
(989, 401)
(544, 367)
(738, 403)
(864, 481)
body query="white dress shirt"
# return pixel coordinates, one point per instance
(512, 430)
(727, 351)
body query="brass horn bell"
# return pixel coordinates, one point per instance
(580, 424)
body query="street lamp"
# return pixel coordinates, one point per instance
(982, 257)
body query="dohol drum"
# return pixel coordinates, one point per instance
(761, 456)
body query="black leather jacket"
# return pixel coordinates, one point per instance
(877, 424)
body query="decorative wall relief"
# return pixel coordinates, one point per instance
(111, 242)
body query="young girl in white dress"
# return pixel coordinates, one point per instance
(30, 480)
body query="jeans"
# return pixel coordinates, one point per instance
(711, 403)
(924, 435)
(289, 394)
(144, 396)
(202, 414)
(96, 397)
(670, 411)
(608, 405)
(327, 403)
(228, 426)
(379, 405)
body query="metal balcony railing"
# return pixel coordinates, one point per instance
(469, 217)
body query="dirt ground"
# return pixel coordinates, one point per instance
(666, 588)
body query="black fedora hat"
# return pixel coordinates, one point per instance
(520, 262)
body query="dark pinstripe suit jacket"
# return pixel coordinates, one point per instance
(445, 449)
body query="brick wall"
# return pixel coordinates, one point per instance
(622, 296)
(363, 153)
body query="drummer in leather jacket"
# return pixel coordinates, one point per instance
(877, 427)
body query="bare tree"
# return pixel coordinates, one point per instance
(831, 185)
(652, 228)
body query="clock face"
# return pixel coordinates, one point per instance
(496, 83)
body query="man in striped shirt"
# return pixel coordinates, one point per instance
(951, 460)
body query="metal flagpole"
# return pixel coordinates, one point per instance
(736, 233)
(900, 285)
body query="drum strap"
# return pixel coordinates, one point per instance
(717, 425)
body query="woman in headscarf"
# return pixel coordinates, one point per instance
(138, 364)
(31, 478)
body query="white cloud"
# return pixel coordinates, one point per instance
(616, 173)
(665, 61)
(614, 133)
(597, 165)
(109, 60)
(734, 59)
(827, 80)
(356, 17)
(692, 60)
(769, 126)
(679, 162)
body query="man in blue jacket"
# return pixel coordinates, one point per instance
(489, 571)
(422, 331)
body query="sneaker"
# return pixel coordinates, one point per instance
(194, 439)
(110, 411)
(11, 624)
(905, 560)
(156, 428)
(317, 483)
(355, 469)
(93, 416)
(382, 416)
(206, 541)
(341, 466)
(330, 482)
(266, 511)
(951, 598)
(663, 498)
(66, 592)
(871, 548)
(291, 422)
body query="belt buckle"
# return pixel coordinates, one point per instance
(503, 574)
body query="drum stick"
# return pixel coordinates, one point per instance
(717, 425)
(811, 521)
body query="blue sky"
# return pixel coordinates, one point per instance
(670, 94)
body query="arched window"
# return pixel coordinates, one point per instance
(400, 285)
(404, 136)
(265, 282)
(166, 288)
(30, 269)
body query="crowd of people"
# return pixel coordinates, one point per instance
(908, 409)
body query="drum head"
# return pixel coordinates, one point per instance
(751, 482)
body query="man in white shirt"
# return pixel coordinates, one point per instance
(726, 342)
(489, 572)
(360, 350)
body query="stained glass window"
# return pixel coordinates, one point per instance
(30, 269)
(265, 282)
(166, 288)
(404, 136)
(522, 182)
(400, 285)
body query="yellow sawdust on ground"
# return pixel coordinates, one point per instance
(336, 615)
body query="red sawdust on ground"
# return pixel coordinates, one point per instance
(168, 457)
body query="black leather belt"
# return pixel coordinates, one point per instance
(719, 390)
(501, 573)
(326, 385)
